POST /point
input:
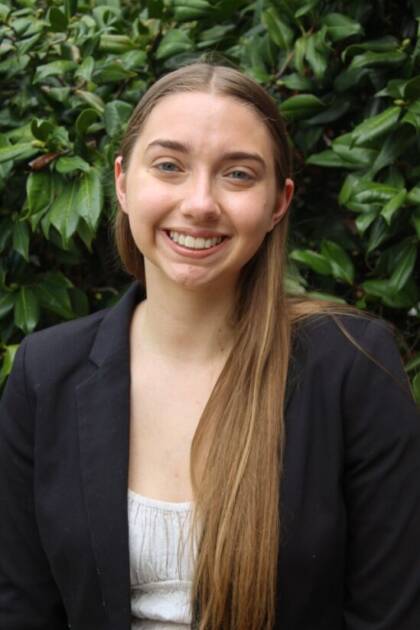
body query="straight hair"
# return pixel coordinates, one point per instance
(236, 455)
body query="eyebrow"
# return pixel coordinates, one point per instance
(184, 148)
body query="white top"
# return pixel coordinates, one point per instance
(161, 563)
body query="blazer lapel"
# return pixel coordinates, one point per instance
(104, 412)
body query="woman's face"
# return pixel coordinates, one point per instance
(200, 189)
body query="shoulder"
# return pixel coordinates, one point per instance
(341, 335)
(100, 333)
(349, 348)
(47, 356)
(68, 338)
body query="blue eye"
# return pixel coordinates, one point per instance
(240, 175)
(167, 167)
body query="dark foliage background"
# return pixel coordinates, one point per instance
(346, 76)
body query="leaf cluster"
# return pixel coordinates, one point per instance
(346, 76)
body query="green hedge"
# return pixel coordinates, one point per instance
(346, 76)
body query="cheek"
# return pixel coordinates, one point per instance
(254, 217)
(147, 201)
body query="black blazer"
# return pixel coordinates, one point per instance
(350, 506)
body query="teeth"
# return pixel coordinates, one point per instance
(194, 243)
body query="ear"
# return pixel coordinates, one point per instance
(283, 202)
(120, 183)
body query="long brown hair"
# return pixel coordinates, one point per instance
(237, 450)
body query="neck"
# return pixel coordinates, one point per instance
(184, 325)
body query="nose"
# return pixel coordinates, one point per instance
(199, 202)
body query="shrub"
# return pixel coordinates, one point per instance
(346, 77)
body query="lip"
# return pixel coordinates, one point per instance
(196, 233)
(193, 253)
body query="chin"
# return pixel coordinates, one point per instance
(190, 282)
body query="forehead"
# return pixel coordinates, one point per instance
(207, 121)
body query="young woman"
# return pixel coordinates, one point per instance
(210, 452)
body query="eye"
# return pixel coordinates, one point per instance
(167, 167)
(240, 175)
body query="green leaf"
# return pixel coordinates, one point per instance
(71, 7)
(19, 151)
(377, 288)
(378, 234)
(383, 44)
(350, 78)
(412, 88)
(174, 42)
(7, 302)
(341, 263)
(134, 60)
(413, 364)
(187, 10)
(395, 178)
(371, 192)
(329, 159)
(413, 197)
(4, 11)
(6, 228)
(394, 145)
(89, 198)
(306, 7)
(317, 54)
(394, 89)
(301, 106)
(71, 164)
(376, 125)
(115, 43)
(347, 189)
(339, 26)
(299, 54)
(116, 114)
(86, 68)
(93, 100)
(365, 220)
(412, 117)
(393, 205)
(331, 114)
(38, 191)
(415, 220)
(85, 119)
(86, 234)
(58, 21)
(377, 59)
(26, 310)
(59, 94)
(79, 301)
(41, 129)
(406, 298)
(53, 295)
(213, 35)
(21, 239)
(317, 295)
(316, 262)
(359, 157)
(279, 31)
(64, 212)
(404, 268)
(112, 72)
(294, 81)
(8, 358)
(53, 69)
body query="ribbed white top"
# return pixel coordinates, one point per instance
(161, 563)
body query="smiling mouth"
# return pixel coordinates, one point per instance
(192, 242)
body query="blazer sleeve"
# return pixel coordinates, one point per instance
(29, 598)
(382, 489)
